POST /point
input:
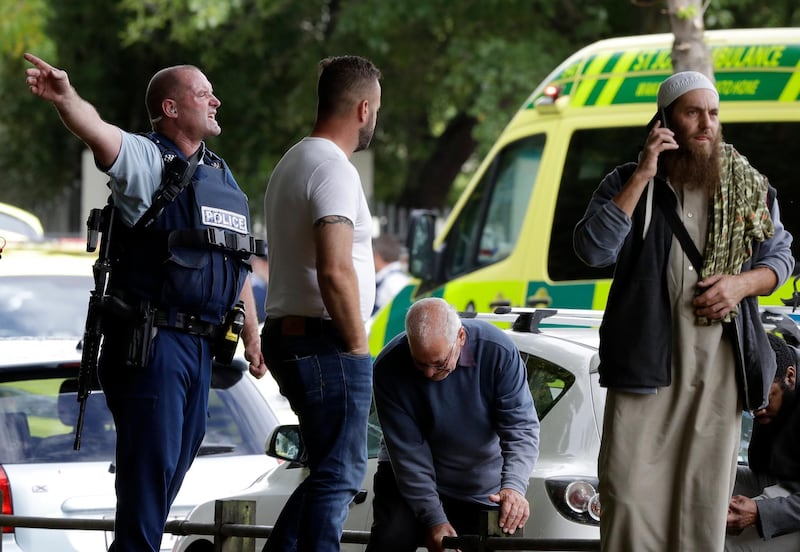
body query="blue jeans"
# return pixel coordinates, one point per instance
(330, 391)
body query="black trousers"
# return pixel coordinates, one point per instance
(395, 528)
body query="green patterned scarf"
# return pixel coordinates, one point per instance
(739, 216)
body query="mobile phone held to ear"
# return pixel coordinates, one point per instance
(662, 116)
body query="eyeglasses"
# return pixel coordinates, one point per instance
(443, 366)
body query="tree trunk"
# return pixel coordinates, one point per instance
(429, 186)
(689, 52)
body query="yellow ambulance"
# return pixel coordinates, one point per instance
(508, 239)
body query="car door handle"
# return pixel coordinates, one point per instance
(360, 497)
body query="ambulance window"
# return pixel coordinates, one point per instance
(592, 154)
(488, 226)
(773, 149)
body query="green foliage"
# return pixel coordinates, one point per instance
(22, 27)
(687, 12)
(752, 13)
(149, 18)
(454, 73)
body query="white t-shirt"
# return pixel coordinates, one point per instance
(314, 179)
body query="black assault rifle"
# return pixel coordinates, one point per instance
(100, 221)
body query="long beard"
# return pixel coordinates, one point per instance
(787, 407)
(693, 167)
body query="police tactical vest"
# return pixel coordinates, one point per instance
(193, 257)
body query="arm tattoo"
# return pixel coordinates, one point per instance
(333, 219)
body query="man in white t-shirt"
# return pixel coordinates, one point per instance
(321, 292)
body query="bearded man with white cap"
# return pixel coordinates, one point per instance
(672, 415)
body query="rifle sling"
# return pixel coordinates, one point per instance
(168, 191)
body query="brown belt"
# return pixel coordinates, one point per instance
(301, 326)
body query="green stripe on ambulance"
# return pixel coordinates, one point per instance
(743, 73)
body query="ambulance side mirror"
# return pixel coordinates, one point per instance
(421, 233)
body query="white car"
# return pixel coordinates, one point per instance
(19, 225)
(41, 474)
(562, 359)
(44, 291)
(562, 374)
(43, 300)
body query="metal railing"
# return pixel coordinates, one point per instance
(234, 529)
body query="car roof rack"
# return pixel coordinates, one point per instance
(526, 319)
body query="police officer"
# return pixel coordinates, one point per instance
(165, 269)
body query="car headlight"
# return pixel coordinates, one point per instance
(575, 498)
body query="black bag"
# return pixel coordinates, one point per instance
(755, 359)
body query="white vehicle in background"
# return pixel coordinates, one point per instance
(562, 374)
(18, 225)
(41, 474)
(44, 291)
(43, 300)
(560, 351)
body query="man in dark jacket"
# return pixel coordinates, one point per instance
(764, 512)
(671, 422)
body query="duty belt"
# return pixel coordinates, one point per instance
(217, 238)
(184, 322)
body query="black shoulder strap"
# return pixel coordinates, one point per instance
(771, 194)
(176, 176)
(677, 227)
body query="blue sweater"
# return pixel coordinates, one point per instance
(464, 437)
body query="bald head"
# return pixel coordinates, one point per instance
(168, 83)
(431, 320)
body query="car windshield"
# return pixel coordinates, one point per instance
(37, 419)
(43, 305)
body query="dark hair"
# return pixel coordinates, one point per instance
(164, 84)
(388, 247)
(343, 82)
(784, 356)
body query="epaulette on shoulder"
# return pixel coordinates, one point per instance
(167, 153)
(211, 158)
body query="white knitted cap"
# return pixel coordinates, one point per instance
(679, 84)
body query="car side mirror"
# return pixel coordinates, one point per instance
(286, 443)
(224, 376)
(421, 233)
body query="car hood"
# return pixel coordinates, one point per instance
(86, 490)
(25, 350)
